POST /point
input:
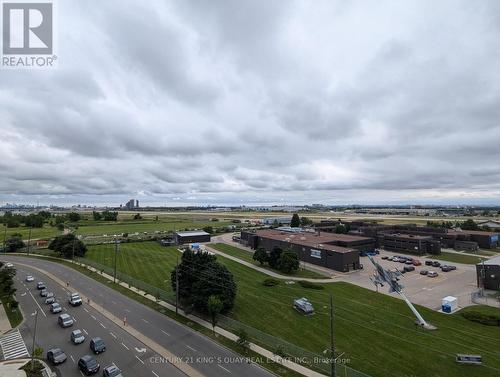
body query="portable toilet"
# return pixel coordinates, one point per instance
(449, 304)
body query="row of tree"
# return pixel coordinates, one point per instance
(7, 289)
(32, 220)
(286, 261)
(106, 215)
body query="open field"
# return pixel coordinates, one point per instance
(375, 331)
(457, 258)
(117, 227)
(247, 256)
(45, 232)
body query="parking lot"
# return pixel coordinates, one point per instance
(421, 289)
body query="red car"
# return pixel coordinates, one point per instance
(416, 262)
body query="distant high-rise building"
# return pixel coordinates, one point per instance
(130, 204)
(136, 204)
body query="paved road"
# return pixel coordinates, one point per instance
(204, 355)
(122, 348)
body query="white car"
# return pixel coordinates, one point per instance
(55, 308)
(75, 299)
(77, 337)
(30, 278)
(9, 265)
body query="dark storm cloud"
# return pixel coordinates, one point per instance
(231, 101)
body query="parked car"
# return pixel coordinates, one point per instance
(65, 320)
(303, 305)
(453, 267)
(50, 300)
(409, 268)
(436, 264)
(44, 293)
(75, 300)
(112, 371)
(395, 259)
(424, 272)
(432, 274)
(40, 285)
(30, 278)
(428, 263)
(88, 365)
(409, 262)
(55, 308)
(97, 345)
(9, 265)
(56, 356)
(77, 337)
(385, 257)
(50, 294)
(416, 262)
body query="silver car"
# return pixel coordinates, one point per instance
(55, 308)
(77, 337)
(50, 300)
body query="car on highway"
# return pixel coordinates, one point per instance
(77, 337)
(40, 285)
(112, 371)
(65, 320)
(29, 279)
(97, 345)
(424, 272)
(432, 274)
(74, 299)
(44, 293)
(55, 308)
(88, 365)
(50, 300)
(56, 356)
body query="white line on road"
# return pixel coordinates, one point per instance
(85, 331)
(85, 310)
(113, 335)
(227, 370)
(125, 346)
(102, 325)
(72, 358)
(191, 348)
(139, 359)
(36, 302)
(166, 333)
(156, 374)
(144, 320)
(93, 316)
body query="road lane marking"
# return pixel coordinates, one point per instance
(166, 333)
(93, 317)
(125, 346)
(113, 335)
(102, 325)
(156, 374)
(191, 348)
(227, 370)
(36, 302)
(144, 320)
(85, 331)
(85, 310)
(139, 359)
(72, 358)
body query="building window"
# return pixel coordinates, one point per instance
(316, 253)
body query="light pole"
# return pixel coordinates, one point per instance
(5, 238)
(34, 338)
(116, 252)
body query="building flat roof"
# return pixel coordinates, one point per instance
(478, 232)
(188, 233)
(492, 261)
(408, 236)
(306, 239)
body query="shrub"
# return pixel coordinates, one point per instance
(310, 285)
(485, 319)
(270, 282)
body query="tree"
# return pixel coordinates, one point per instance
(34, 221)
(469, 224)
(208, 229)
(274, 257)
(243, 340)
(65, 244)
(341, 229)
(110, 216)
(289, 261)
(260, 255)
(14, 243)
(305, 221)
(295, 222)
(137, 216)
(201, 276)
(214, 306)
(74, 216)
(96, 215)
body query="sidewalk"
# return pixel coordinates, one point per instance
(4, 321)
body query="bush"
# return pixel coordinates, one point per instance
(485, 319)
(270, 282)
(310, 285)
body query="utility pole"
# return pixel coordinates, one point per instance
(73, 252)
(116, 253)
(332, 344)
(34, 337)
(5, 238)
(29, 241)
(177, 287)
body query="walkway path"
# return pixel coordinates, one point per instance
(4, 320)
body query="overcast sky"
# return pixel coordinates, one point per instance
(241, 102)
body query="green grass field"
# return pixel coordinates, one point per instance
(458, 258)
(109, 228)
(45, 232)
(375, 331)
(247, 256)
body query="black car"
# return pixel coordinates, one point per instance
(428, 263)
(436, 264)
(40, 285)
(423, 272)
(445, 268)
(384, 257)
(97, 345)
(56, 356)
(88, 365)
(409, 268)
